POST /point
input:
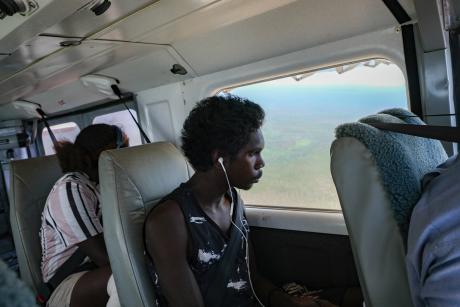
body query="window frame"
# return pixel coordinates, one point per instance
(84, 117)
(234, 85)
(131, 110)
(51, 127)
(220, 89)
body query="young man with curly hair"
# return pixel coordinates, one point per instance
(197, 237)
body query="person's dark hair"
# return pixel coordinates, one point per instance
(219, 122)
(82, 155)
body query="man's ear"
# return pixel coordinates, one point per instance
(215, 155)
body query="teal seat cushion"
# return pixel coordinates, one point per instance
(402, 159)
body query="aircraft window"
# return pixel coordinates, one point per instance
(301, 114)
(123, 120)
(66, 131)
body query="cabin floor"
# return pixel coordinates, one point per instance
(8, 253)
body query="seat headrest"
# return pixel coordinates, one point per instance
(154, 169)
(402, 159)
(132, 181)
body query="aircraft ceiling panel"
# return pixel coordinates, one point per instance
(14, 92)
(66, 97)
(204, 36)
(135, 26)
(83, 22)
(17, 30)
(11, 23)
(152, 26)
(18, 110)
(297, 26)
(152, 70)
(30, 79)
(27, 54)
(149, 66)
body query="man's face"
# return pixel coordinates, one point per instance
(245, 168)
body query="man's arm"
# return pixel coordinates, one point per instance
(440, 275)
(95, 249)
(166, 239)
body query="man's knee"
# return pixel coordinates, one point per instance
(91, 288)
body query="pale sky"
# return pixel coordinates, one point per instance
(381, 76)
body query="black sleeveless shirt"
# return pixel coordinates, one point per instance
(207, 245)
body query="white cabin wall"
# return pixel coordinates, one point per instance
(162, 112)
(182, 96)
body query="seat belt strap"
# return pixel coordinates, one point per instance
(442, 133)
(52, 136)
(70, 266)
(410, 54)
(397, 10)
(117, 92)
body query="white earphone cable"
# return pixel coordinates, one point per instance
(220, 160)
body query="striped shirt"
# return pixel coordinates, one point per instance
(71, 215)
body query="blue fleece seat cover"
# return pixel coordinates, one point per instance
(402, 160)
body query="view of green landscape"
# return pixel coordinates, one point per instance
(299, 128)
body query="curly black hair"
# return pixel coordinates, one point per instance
(219, 122)
(82, 156)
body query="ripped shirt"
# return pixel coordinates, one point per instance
(207, 245)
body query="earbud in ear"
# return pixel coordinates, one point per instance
(221, 161)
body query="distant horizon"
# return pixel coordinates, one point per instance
(301, 117)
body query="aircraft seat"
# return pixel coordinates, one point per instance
(132, 181)
(378, 175)
(31, 181)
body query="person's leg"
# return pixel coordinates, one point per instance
(61, 295)
(91, 289)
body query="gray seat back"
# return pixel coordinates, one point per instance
(132, 181)
(378, 175)
(30, 183)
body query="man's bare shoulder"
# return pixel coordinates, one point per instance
(167, 209)
(166, 216)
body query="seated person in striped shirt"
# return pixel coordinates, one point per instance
(75, 265)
